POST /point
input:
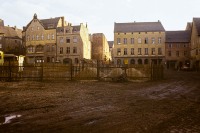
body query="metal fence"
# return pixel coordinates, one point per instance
(86, 71)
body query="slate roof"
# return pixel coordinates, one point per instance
(197, 23)
(11, 32)
(76, 28)
(47, 22)
(138, 27)
(178, 36)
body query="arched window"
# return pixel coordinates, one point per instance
(139, 61)
(132, 61)
(39, 48)
(118, 62)
(146, 61)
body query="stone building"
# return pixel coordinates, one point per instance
(39, 37)
(100, 48)
(177, 49)
(195, 44)
(11, 40)
(139, 43)
(73, 43)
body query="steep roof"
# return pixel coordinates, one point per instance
(11, 32)
(178, 36)
(52, 22)
(197, 23)
(138, 27)
(76, 28)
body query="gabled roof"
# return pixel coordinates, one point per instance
(53, 22)
(197, 23)
(11, 32)
(139, 27)
(178, 36)
(46, 23)
(76, 28)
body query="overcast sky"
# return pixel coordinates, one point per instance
(100, 15)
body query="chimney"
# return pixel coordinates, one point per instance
(1, 22)
(63, 21)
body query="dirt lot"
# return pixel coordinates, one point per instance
(171, 105)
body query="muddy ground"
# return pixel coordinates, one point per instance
(170, 105)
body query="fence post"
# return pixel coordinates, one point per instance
(10, 71)
(42, 72)
(98, 69)
(71, 68)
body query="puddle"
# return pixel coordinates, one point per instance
(8, 119)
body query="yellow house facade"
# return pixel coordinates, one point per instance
(139, 43)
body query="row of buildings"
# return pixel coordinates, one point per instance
(56, 40)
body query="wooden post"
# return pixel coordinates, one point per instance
(71, 68)
(98, 69)
(10, 72)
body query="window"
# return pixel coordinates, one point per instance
(132, 51)
(68, 50)
(48, 48)
(0, 45)
(169, 53)
(0, 37)
(52, 48)
(153, 40)
(153, 51)
(30, 49)
(146, 51)
(38, 28)
(74, 50)
(33, 37)
(125, 51)
(185, 53)
(15, 41)
(139, 40)
(178, 45)
(42, 37)
(76, 61)
(32, 28)
(197, 52)
(118, 51)
(118, 41)
(132, 40)
(169, 45)
(39, 48)
(52, 36)
(68, 40)
(159, 40)
(146, 40)
(61, 50)
(75, 40)
(125, 40)
(67, 31)
(132, 61)
(61, 40)
(139, 51)
(177, 53)
(159, 51)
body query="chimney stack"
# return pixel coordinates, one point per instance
(1, 22)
